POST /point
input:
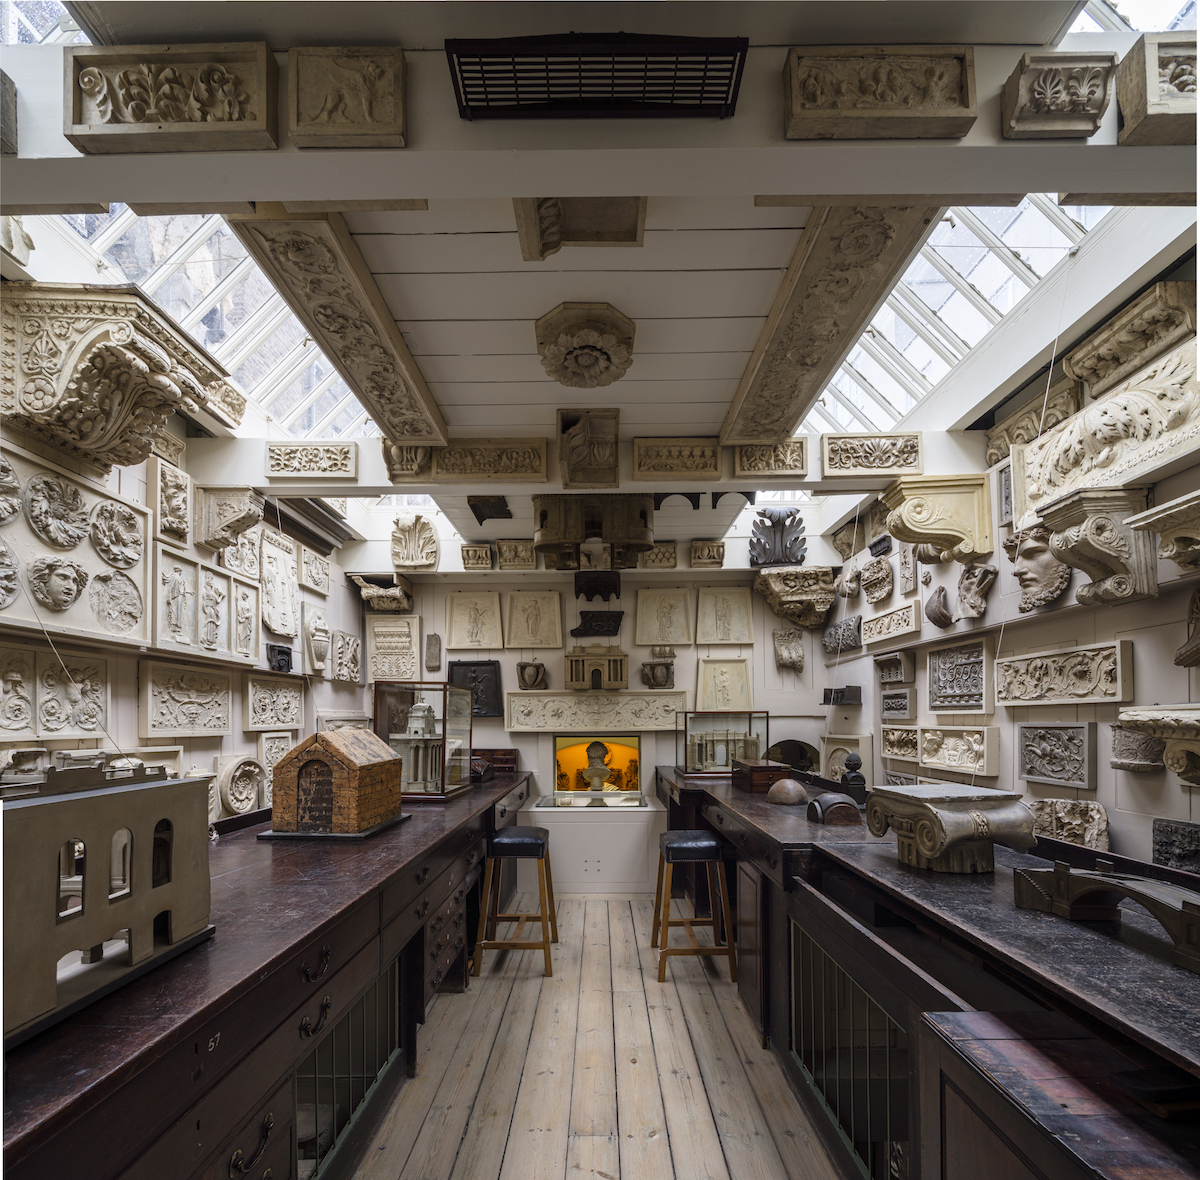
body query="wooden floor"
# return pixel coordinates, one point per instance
(601, 1071)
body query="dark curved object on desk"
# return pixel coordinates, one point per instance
(833, 808)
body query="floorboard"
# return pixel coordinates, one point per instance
(598, 1073)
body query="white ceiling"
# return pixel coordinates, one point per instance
(699, 291)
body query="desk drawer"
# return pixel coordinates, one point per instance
(439, 897)
(415, 881)
(504, 813)
(750, 844)
(263, 1146)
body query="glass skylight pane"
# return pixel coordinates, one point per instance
(243, 301)
(299, 390)
(150, 241)
(1029, 234)
(879, 377)
(263, 360)
(912, 347)
(952, 307)
(323, 406)
(350, 413)
(202, 271)
(88, 225)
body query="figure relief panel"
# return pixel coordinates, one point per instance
(279, 584)
(534, 619)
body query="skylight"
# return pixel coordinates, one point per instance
(194, 268)
(976, 267)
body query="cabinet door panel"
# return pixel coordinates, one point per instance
(751, 948)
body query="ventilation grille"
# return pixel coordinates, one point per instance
(593, 76)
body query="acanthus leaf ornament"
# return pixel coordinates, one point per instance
(585, 345)
(951, 513)
(800, 594)
(777, 537)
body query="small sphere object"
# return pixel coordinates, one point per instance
(787, 792)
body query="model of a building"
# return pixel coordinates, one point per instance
(421, 751)
(597, 666)
(105, 875)
(719, 747)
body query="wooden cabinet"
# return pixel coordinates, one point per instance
(752, 943)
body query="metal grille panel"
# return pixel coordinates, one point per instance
(853, 1054)
(583, 76)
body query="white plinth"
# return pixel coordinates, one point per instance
(596, 849)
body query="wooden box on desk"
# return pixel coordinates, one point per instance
(757, 774)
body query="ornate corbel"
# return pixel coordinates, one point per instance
(1177, 523)
(1179, 727)
(224, 514)
(1088, 531)
(800, 594)
(953, 513)
(97, 373)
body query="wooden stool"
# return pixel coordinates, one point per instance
(696, 847)
(525, 843)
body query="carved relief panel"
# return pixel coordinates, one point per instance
(897, 704)
(18, 693)
(345, 654)
(171, 496)
(871, 454)
(279, 583)
(180, 701)
(905, 620)
(312, 460)
(316, 639)
(969, 750)
(1060, 755)
(960, 678)
(774, 459)
(1057, 95)
(1043, 413)
(313, 570)
(272, 703)
(346, 97)
(534, 619)
(393, 645)
(687, 458)
(900, 741)
(551, 710)
(663, 556)
(516, 555)
(80, 555)
(245, 557)
(72, 695)
(1100, 673)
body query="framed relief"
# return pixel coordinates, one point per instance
(664, 618)
(280, 584)
(723, 615)
(313, 570)
(180, 701)
(246, 620)
(473, 619)
(73, 693)
(534, 619)
(393, 643)
(723, 685)
(171, 494)
(482, 677)
(272, 702)
(244, 558)
(176, 592)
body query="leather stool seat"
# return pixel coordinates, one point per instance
(689, 845)
(519, 842)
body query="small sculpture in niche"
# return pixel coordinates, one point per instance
(1041, 576)
(175, 596)
(116, 601)
(117, 534)
(57, 582)
(211, 597)
(531, 675)
(973, 585)
(55, 511)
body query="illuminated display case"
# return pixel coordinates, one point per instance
(708, 742)
(603, 770)
(428, 723)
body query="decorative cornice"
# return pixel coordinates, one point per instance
(953, 513)
(1138, 334)
(224, 514)
(314, 263)
(689, 458)
(871, 454)
(1177, 523)
(96, 372)
(1179, 727)
(800, 594)
(542, 711)
(845, 263)
(1057, 95)
(312, 460)
(1088, 532)
(1032, 420)
(467, 461)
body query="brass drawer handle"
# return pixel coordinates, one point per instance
(422, 910)
(238, 1164)
(422, 875)
(307, 1028)
(471, 857)
(306, 972)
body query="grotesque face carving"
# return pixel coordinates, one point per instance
(973, 587)
(56, 582)
(1041, 576)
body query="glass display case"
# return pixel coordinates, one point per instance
(428, 723)
(708, 742)
(600, 769)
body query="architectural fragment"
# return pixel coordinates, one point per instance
(1057, 95)
(1154, 323)
(844, 635)
(272, 702)
(1088, 531)
(1176, 843)
(789, 649)
(659, 670)
(905, 620)
(314, 263)
(1077, 821)
(1060, 755)
(585, 345)
(1156, 90)
(532, 675)
(393, 644)
(415, 546)
(1179, 728)
(836, 748)
(1136, 429)
(968, 749)
(960, 678)
(97, 373)
(724, 615)
(879, 92)
(313, 460)
(587, 448)
(778, 460)
(280, 583)
(800, 594)
(8, 115)
(476, 557)
(1188, 656)
(690, 458)
(844, 265)
(897, 667)
(433, 652)
(316, 639)
(1135, 751)
(777, 537)
(1060, 401)
(900, 741)
(951, 513)
(1100, 673)
(850, 539)
(563, 523)
(567, 712)
(871, 454)
(1177, 523)
(877, 580)
(161, 98)
(1041, 576)
(663, 555)
(224, 514)
(973, 585)
(467, 460)
(346, 97)
(707, 555)
(937, 609)
(177, 701)
(949, 828)
(848, 583)
(897, 704)
(598, 667)
(240, 782)
(390, 598)
(345, 655)
(516, 555)
(313, 570)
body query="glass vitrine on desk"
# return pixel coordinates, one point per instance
(428, 723)
(590, 799)
(707, 742)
